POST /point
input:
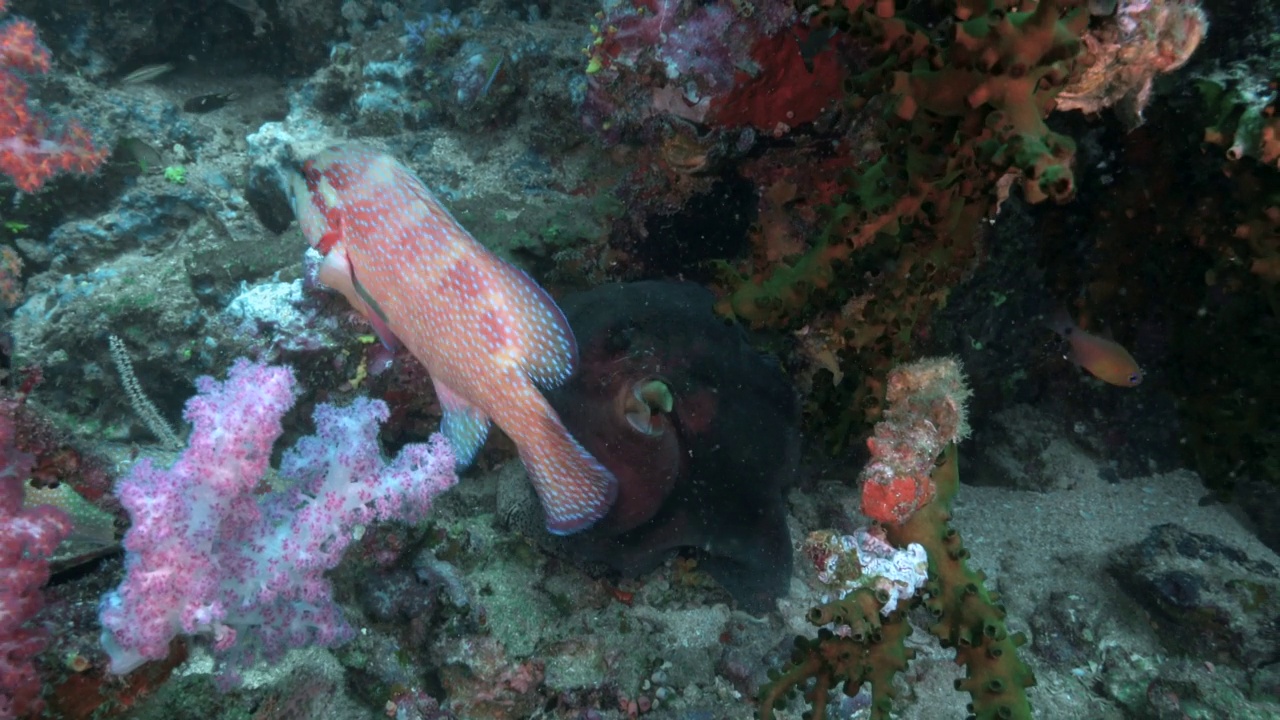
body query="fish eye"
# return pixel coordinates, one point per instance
(1135, 378)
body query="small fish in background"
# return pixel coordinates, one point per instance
(208, 102)
(146, 74)
(488, 335)
(493, 75)
(261, 23)
(142, 153)
(1105, 359)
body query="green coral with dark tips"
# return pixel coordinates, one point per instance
(969, 617)
(873, 652)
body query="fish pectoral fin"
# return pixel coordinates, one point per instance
(550, 352)
(337, 272)
(384, 333)
(464, 425)
(377, 318)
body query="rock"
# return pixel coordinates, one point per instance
(1210, 600)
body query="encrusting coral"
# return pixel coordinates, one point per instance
(946, 115)
(961, 114)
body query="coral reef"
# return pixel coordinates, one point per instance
(989, 87)
(1206, 596)
(863, 184)
(941, 119)
(724, 65)
(1132, 46)
(235, 37)
(926, 412)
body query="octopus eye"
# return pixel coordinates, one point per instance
(645, 404)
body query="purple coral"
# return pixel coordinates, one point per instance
(208, 555)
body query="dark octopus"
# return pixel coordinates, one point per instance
(701, 430)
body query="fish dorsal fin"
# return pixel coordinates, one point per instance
(550, 352)
(405, 179)
(336, 272)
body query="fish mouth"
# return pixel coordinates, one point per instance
(645, 402)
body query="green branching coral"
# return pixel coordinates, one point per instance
(1244, 118)
(968, 618)
(1004, 69)
(957, 113)
(1228, 434)
(873, 652)
(875, 569)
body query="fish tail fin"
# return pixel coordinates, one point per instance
(575, 489)
(1060, 321)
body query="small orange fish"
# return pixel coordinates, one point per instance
(1105, 359)
(489, 336)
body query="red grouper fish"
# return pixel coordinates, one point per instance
(487, 333)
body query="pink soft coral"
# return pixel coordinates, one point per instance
(208, 554)
(28, 536)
